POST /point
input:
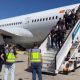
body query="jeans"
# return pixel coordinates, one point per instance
(10, 66)
(36, 69)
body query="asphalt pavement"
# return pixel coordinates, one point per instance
(21, 72)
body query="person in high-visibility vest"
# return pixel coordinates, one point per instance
(36, 63)
(10, 55)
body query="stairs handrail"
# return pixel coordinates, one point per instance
(64, 43)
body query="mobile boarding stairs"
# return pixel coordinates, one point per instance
(54, 60)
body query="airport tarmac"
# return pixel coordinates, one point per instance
(22, 74)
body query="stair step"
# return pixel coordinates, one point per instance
(48, 70)
(51, 61)
(49, 55)
(48, 58)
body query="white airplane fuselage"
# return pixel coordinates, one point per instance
(39, 24)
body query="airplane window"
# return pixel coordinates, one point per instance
(5, 25)
(56, 17)
(37, 20)
(53, 17)
(20, 22)
(49, 18)
(46, 19)
(14, 23)
(9, 24)
(40, 19)
(28, 21)
(2, 25)
(43, 19)
(32, 20)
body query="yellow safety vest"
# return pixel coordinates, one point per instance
(11, 58)
(35, 57)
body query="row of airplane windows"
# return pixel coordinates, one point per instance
(10, 24)
(36, 20)
(43, 19)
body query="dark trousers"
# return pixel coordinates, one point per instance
(52, 40)
(1, 63)
(36, 69)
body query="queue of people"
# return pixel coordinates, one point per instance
(67, 23)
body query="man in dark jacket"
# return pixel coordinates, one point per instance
(1, 60)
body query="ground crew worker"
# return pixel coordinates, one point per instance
(36, 62)
(9, 61)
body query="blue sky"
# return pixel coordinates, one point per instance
(11, 8)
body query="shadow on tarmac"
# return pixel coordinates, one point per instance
(19, 61)
(20, 79)
(45, 73)
(51, 74)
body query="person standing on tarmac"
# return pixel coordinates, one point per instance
(36, 62)
(1, 60)
(10, 58)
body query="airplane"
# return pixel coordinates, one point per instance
(34, 27)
